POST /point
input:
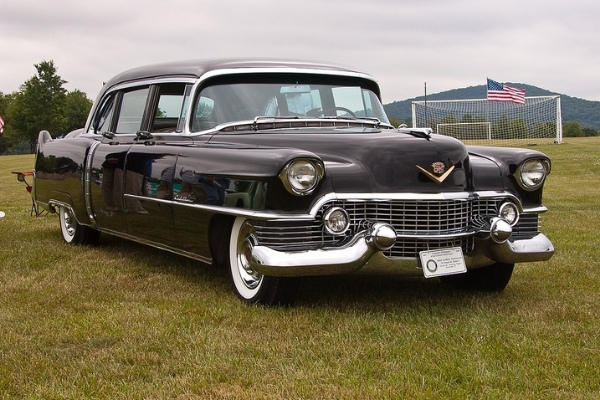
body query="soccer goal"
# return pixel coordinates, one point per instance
(493, 123)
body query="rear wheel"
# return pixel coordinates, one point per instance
(72, 231)
(492, 278)
(249, 285)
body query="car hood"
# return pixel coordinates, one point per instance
(365, 160)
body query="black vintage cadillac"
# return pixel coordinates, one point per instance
(282, 169)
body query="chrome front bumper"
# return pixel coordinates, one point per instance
(363, 254)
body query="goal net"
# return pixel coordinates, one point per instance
(493, 123)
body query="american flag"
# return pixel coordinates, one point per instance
(1, 125)
(497, 91)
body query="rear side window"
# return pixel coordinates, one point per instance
(133, 104)
(169, 113)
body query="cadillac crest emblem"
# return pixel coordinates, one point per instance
(439, 168)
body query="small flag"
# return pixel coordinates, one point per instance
(497, 91)
(1, 125)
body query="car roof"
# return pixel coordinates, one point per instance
(197, 68)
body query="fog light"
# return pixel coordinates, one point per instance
(509, 212)
(336, 221)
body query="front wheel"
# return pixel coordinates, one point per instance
(72, 231)
(492, 278)
(249, 285)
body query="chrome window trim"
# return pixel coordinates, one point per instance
(283, 70)
(261, 70)
(149, 82)
(145, 82)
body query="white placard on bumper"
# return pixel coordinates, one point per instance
(442, 262)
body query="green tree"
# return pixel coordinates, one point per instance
(7, 139)
(589, 132)
(518, 128)
(449, 119)
(77, 107)
(39, 105)
(544, 130)
(572, 129)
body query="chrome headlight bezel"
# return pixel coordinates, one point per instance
(532, 173)
(301, 176)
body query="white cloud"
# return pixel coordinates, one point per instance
(403, 44)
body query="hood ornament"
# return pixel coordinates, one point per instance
(438, 168)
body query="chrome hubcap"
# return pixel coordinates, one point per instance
(68, 222)
(250, 278)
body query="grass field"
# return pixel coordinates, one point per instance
(123, 321)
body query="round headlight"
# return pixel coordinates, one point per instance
(336, 221)
(509, 212)
(533, 172)
(301, 176)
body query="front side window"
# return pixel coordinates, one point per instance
(244, 101)
(104, 114)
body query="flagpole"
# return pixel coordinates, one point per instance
(426, 122)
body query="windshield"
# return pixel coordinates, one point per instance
(231, 102)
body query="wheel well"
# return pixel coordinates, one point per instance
(218, 239)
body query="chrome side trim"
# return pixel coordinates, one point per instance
(535, 210)
(160, 246)
(240, 212)
(275, 216)
(87, 182)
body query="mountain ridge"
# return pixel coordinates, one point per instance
(585, 112)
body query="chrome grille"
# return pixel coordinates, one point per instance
(291, 235)
(412, 216)
(412, 247)
(408, 217)
(528, 224)
(486, 206)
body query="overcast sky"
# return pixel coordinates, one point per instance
(450, 44)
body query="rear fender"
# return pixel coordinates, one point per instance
(59, 173)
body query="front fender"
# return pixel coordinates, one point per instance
(242, 171)
(506, 162)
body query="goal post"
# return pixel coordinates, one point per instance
(466, 130)
(493, 123)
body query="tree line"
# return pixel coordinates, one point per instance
(41, 103)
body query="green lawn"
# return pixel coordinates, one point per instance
(130, 322)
